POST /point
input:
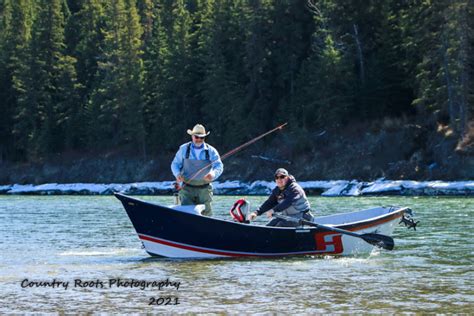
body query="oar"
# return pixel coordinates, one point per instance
(378, 240)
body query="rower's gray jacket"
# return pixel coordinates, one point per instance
(289, 201)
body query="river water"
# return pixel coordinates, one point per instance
(90, 239)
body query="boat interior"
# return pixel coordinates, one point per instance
(336, 219)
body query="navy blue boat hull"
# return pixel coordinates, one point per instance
(171, 233)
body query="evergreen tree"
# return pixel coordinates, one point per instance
(175, 88)
(325, 93)
(387, 78)
(154, 50)
(15, 37)
(85, 40)
(147, 13)
(258, 97)
(116, 104)
(222, 93)
(437, 38)
(290, 43)
(47, 88)
(134, 126)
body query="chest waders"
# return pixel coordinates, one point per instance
(192, 166)
(197, 190)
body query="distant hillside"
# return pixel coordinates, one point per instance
(374, 88)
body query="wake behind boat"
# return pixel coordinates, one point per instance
(181, 232)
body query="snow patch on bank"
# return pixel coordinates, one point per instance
(325, 188)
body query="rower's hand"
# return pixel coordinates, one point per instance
(270, 214)
(179, 179)
(252, 216)
(209, 177)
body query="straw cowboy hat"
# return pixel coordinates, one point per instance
(199, 131)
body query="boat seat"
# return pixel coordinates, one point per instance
(191, 209)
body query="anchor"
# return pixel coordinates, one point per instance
(408, 220)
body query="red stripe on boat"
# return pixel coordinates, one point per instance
(222, 253)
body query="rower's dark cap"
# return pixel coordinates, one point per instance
(281, 171)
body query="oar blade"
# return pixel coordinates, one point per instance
(382, 241)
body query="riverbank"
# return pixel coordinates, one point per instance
(391, 149)
(323, 188)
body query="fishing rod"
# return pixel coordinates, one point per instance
(233, 151)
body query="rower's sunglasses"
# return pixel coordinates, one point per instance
(280, 177)
(198, 137)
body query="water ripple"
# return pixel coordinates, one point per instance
(90, 238)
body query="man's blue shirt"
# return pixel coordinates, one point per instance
(217, 165)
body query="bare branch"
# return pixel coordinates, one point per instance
(313, 7)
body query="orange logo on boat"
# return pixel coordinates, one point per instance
(329, 242)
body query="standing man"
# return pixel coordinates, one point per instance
(287, 198)
(196, 165)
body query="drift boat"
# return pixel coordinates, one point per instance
(181, 232)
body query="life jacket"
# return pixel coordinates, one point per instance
(240, 210)
(301, 205)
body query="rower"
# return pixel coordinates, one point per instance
(287, 198)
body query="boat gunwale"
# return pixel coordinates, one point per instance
(370, 219)
(354, 226)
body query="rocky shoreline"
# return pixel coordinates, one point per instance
(323, 188)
